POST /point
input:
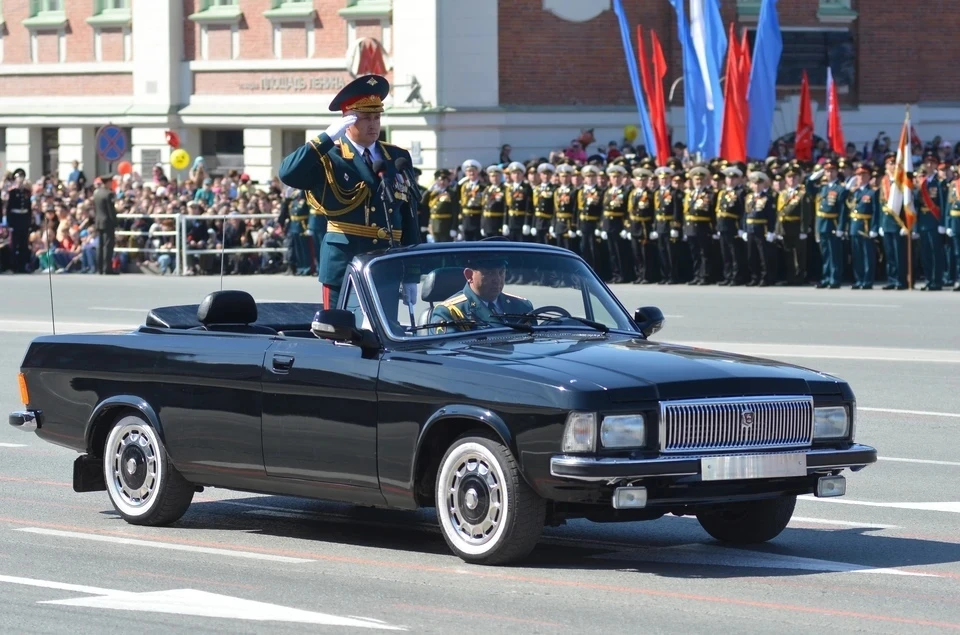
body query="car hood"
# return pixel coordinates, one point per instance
(632, 368)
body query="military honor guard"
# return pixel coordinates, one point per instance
(470, 198)
(759, 219)
(519, 201)
(640, 212)
(698, 223)
(831, 206)
(863, 223)
(294, 216)
(930, 201)
(543, 205)
(494, 221)
(668, 207)
(589, 214)
(19, 217)
(565, 208)
(729, 214)
(616, 200)
(340, 182)
(893, 230)
(793, 223)
(440, 202)
(952, 222)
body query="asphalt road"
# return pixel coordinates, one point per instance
(885, 558)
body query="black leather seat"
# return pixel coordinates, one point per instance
(438, 285)
(230, 311)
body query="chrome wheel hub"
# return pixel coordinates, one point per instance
(134, 459)
(474, 498)
(471, 499)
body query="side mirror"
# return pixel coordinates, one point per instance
(649, 319)
(339, 325)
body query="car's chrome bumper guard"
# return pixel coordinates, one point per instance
(586, 468)
(26, 420)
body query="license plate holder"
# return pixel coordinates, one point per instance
(752, 466)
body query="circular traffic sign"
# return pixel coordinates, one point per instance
(111, 143)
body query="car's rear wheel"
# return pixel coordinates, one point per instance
(488, 514)
(749, 522)
(144, 486)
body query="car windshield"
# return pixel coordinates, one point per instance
(470, 289)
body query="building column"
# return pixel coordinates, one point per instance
(261, 153)
(24, 150)
(77, 144)
(149, 147)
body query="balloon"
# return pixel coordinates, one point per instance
(173, 139)
(124, 167)
(630, 133)
(179, 159)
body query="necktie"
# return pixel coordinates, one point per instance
(492, 307)
(367, 158)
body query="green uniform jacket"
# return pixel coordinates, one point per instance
(466, 306)
(340, 186)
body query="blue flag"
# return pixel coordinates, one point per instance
(762, 91)
(649, 140)
(694, 95)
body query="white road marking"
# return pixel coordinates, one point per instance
(950, 507)
(852, 304)
(841, 523)
(921, 461)
(710, 555)
(859, 353)
(162, 545)
(919, 413)
(196, 603)
(12, 445)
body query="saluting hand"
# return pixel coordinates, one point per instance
(336, 129)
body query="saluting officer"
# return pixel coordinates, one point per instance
(864, 221)
(729, 213)
(340, 182)
(641, 213)
(543, 207)
(470, 198)
(930, 201)
(831, 205)
(494, 204)
(792, 226)
(698, 223)
(759, 218)
(518, 203)
(668, 205)
(565, 208)
(616, 200)
(442, 207)
(589, 213)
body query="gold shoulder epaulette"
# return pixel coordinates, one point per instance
(515, 297)
(457, 299)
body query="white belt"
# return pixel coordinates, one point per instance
(19, 211)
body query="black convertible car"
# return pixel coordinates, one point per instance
(515, 391)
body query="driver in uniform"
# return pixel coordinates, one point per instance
(482, 298)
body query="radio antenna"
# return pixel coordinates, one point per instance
(223, 250)
(46, 239)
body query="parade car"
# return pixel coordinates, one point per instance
(503, 421)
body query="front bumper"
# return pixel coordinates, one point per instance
(586, 468)
(26, 420)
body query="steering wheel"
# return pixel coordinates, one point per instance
(550, 308)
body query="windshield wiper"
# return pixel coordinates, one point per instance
(444, 323)
(599, 326)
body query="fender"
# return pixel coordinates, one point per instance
(474, 413)
(128, 401)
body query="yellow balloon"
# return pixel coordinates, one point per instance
(179, 159)
(630, 133)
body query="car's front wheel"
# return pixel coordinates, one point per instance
(749, 522)
(144, 486)
(488, 514)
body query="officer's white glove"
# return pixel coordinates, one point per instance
(453, 233)
(505, 230)
(596, 232)
(674, 233)
(816, 175)
(526, 230)
(685, 238)
(483, 232)
(716, 236)
(914, 235)
(881, 231)
(624, 234)
(950, 232)
(654, 235)
(604, 235)
(771, 237)
(941, 229)
(424, 229)
(838, 233)
(459, 236)
(431, 239)
(803, 236)
(745, 236)
(337, 128)
(903, 231)
(872, 234)
(533, 231)
(553, 234)
(580, 233)
(573, 234)
(409, 293)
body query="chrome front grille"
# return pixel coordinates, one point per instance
(736, 423)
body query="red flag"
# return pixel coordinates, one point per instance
(658, 110)
(834, 127)
(745, 66)
(803, 144)
(733, 144)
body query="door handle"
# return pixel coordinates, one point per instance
(282, 362)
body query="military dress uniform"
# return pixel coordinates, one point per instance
(831, 206)
(863, 224)
(470, 200)
(952, 219)
(640, 211)
(441, 206)
(759, 219)
(729, 214)
(294, 216)
(467, 306)
(930, 201)
(668, 205)
(792, 230)
(698, 225)
(589, 215)
(893, 229)
(18, 219)
(543, 206)
(494, 204)
(616, 200)
(519, 199)
(340, 183)
(565, 212)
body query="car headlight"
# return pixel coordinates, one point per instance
(623, 431)
(831, 422)
(580, 433)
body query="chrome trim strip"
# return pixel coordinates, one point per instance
(28, 419)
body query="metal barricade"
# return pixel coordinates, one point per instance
(182, 238)
(176, 251)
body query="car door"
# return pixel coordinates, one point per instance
(320, 409)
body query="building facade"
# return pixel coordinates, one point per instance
(243, 82)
